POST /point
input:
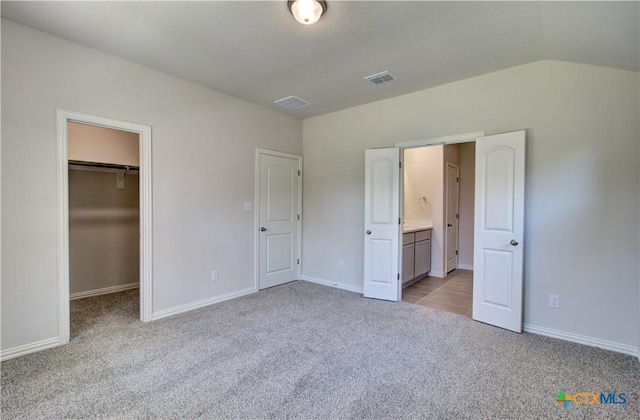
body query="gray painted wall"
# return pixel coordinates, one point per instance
(203, 152)
(104, 227)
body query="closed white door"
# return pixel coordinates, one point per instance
(499, 228)
(382, 224)
(278, 215)
(451, 202)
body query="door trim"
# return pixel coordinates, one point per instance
(146, 239)
(446, 214)
(256, 210)
(456, 138)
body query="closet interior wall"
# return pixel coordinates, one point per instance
(104, 244)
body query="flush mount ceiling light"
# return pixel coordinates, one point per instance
(307, 12)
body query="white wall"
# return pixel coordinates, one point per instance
(423, 177)
(89, 143)
(467, 202)
(203, 147)
(582, 188)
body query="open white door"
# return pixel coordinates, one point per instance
(382, 224)
(499, 227)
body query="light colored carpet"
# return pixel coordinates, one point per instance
(310, 352)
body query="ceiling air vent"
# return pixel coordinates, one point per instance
(380, 78)
(292, 102)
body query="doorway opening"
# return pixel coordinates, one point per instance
(498, 225)
(104, 225)
(99, 189)
(438, 208)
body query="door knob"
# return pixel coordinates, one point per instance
(449, 225)
(263, 229)
(368, 232)
(514, 242)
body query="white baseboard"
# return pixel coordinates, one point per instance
(199, 304)
(438, 274)
(343, 286)
(465, 267)
(104, 291)
(29, 348)
(582, 339)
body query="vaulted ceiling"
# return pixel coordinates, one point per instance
(257, 51)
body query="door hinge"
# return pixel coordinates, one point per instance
(298, 172)
(456, 252)
(400, 164)
(298, 261)
(298, 217)
(399, 221)
(398, 276)
(457, 179)
(457, 217)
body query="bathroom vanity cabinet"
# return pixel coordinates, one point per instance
(416, 255)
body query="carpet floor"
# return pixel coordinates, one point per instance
(311, 352)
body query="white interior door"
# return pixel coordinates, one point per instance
(382, 224)
(499, 227)
(278, 215)
(452, 192)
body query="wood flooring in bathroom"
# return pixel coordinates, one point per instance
(453, 293)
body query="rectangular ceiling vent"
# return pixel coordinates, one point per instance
(380, 78)
(292, 102)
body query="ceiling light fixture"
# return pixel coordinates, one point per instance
(307, 12)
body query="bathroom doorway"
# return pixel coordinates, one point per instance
(498, 225)
(438, 195)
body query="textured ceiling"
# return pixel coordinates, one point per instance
(258, 52)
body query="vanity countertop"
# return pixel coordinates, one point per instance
(415, 228)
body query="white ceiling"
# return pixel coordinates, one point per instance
(258, 52)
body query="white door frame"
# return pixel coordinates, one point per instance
(446, 214)
(256, 243)
(146, 242)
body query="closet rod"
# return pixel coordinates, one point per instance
(103, 165)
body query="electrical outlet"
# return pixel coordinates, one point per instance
(214, 275)
(554, 301)
(341, 265)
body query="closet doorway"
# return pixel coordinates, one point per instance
(104, 224)
(104, 183)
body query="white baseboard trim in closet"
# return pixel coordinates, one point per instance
(104, 291)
